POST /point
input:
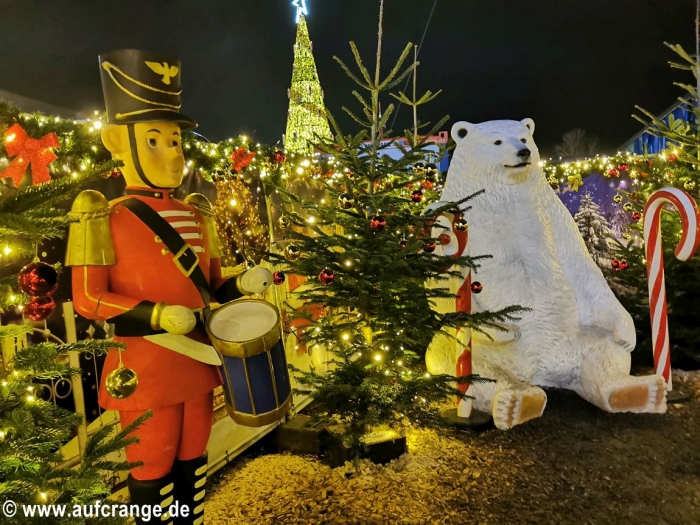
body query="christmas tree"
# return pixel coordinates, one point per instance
(677, 167)
(307, 122)
(366, 254)
(594, 228)
(32, 431)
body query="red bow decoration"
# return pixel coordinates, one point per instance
(29, 151)
(241, 158)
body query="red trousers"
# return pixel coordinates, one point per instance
(175, 431)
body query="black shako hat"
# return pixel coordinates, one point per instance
(141, 86)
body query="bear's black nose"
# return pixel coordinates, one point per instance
(524, 153)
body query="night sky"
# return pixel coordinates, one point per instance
(564, 64)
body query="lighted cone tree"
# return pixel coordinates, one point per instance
(32, 431)
(307, 123)
(379, 318)
(676, 167)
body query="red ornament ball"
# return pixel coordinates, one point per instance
(377, 223)
(279, 157)
(636, 216)
(672, 158)
(39, 308)
(613, 172)
(429, 247)
(278, 278)
(38, 279)
(326, 276)
(417, 196)
(444, 239)
(643, 174)
(403, 243)
(623, 167)
(115, 174)
(623, 265)
(477, 287)
(427, 184)
(615, 264)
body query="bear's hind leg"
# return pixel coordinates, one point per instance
(510, 400)
(514, 406)
(605, 381)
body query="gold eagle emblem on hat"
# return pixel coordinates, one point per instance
(164, 69)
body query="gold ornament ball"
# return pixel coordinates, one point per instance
(292, 252)
(628, 206)
(617, 199)
(346, 201)
(689, 185)
(121, 383)
(461, 225)
(284, 222)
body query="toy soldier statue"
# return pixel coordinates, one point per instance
(149, 264)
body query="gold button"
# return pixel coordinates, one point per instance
(157, 195)
(165, 251)
(157, 239)
(201, 236)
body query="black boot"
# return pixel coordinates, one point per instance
(190, 477)
(151, 493)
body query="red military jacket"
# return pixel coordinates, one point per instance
(126, 292)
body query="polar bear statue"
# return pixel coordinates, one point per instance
(576, 335)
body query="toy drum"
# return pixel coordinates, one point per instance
(247, 333)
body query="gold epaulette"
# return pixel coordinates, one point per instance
(200, 202)
(90, 239)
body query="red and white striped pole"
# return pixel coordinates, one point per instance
(456, 244)
(688, 245)
(464, 361)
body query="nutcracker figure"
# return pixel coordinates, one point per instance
(150, 265)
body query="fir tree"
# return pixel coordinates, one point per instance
(306, 120)
(594, 228)
(366, 255)
(677, 167)
(32, 430)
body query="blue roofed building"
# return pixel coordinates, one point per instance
(646, 142)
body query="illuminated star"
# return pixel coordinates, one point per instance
(301, 9)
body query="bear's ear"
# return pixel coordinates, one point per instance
(530, 124)
(460, 131)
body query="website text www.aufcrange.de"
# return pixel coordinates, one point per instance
(99, 509)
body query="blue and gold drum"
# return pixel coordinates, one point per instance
(247, 333)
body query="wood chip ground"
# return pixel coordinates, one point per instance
(574, 465)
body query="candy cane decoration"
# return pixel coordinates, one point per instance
(688, 245)
(455, 244)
